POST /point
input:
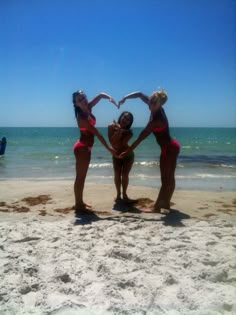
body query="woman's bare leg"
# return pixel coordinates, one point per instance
(127, 165)
(117, 167)
(83, 157)
(167, 168)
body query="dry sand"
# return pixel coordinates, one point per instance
(119, 260)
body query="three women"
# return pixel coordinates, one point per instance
(119, 134)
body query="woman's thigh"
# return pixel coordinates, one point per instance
(127, 164)
(83, 157)
(117, 166)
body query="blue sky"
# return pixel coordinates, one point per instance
(49, 49)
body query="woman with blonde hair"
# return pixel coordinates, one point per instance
(170, 148)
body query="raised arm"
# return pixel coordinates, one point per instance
(98, 97)
(140, 95)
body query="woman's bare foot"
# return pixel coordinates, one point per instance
(162, 204)
(82, 205)
(126, 199)
(87, 206)
(118, 198)
(83, 210)
(152, 209)
(147, 210)
(162, 207)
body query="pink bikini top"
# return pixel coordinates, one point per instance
(92, 121)
(159, 129)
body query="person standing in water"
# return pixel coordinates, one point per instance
(170, 148)
(119, 134)
(3, 144)
(82, 148)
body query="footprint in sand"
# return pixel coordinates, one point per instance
(227, 211)
(210, 262)
(208, 215)
(211, 243)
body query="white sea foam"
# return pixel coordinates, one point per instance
(227, 166)
(100, 165)
(204, 175)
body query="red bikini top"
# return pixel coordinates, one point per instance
(159, 129)
(92, 121)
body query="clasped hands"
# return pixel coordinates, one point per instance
(117, 104)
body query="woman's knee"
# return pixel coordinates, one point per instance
(125, 176)
(167, 179)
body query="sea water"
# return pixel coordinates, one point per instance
(207, 159)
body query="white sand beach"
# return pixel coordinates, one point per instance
(120, 260)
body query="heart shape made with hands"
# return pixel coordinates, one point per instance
(120, 102)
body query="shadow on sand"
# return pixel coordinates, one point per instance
(134, 211)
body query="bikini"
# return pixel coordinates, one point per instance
(172, 144)
(79, 143)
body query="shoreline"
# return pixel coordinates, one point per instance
(109, 181)
(59, 198)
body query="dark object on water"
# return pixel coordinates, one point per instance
(3, 144)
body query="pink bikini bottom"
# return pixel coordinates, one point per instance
(171, 148)
(79, 144)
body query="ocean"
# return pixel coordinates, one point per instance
(207, 159)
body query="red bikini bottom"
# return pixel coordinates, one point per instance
(173, 147)
(79, 144)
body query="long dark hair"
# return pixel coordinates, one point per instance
(131, 118)
(78, 110)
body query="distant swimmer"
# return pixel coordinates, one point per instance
(3, 144)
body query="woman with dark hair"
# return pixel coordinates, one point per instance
(119, 134)
(82, 148)
(159, 126)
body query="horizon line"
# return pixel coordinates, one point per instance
(107, 126)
